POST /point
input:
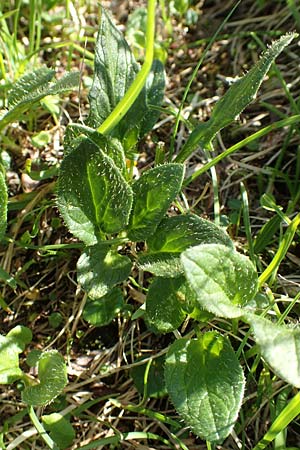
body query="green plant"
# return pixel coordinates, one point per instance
(127, 226)
(193, 263)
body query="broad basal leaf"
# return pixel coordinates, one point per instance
(52, 373)
(280, 347)
(238, 96)
(167, 302)
(60, 430)
(3, 203)
(174, 235)
(222, 279)
(177, 233)
(99, 269)
(206, 384)
(93, 196)
(101, 311)
(11, 346)
(144, 113)
(153, 192)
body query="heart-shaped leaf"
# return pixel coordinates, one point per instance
(60, 429)
(167, 303)
(206, 384)
(177, 233)
(11, 346)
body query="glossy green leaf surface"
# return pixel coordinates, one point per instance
(92, 195)
(3, 203)
(153, 192)
(167, 302)
(99, 269)
(222, 279)
(60, 429)
(280, 347)
(52, 374)
(206, 384)
(11, 346)
(101, 311)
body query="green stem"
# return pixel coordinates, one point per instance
(289, 413)
(131, 95)
(281, 252)
(41, 430)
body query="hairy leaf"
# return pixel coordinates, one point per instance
(60, 429)
(144, 113)
(115, 70)
(174, 235)
(93, 196)
(101, 311)
(167, 302)
(206, 384)
(153, 192)
(280, 347)
(52, 373)
(99, 269)
(222, 279)
(110, 146)
(238, 96)
(161, 264)
(31, 88)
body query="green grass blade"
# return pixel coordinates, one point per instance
(274, 126)
(289, 413)
(281, 252)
